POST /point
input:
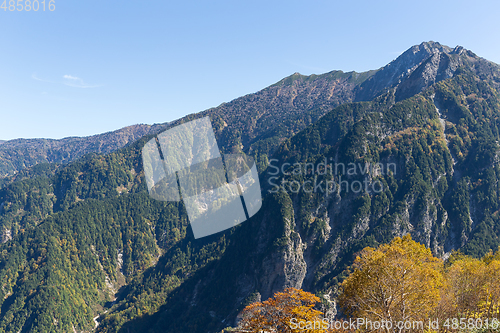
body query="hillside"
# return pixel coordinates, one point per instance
(85, 239)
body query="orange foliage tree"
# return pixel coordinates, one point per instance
(278, 313)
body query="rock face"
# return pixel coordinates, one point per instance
(411, 79)
(6, 236)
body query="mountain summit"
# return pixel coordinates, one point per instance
(421, 66)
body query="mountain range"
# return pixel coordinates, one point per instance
(411, 148)
(18, 154)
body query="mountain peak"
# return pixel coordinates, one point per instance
(417, 69)
(415, 55)
(433, 47)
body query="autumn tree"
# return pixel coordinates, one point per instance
(277, 313)
(465, 285)
(396, 282)
(491, 305)
(472, 287)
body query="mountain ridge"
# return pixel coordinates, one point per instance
(18, 154)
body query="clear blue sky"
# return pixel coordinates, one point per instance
(94, 66)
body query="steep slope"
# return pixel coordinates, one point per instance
(261, 121)
(96, 228)
(95, 194)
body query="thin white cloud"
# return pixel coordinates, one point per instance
(71, 77)
(74, 81)
(39, 79)
(68, 80)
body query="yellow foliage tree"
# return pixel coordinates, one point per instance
(492, 302)
(465, 285)
(396, 282)
(472, 287)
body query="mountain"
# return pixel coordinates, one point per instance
(411, 148)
